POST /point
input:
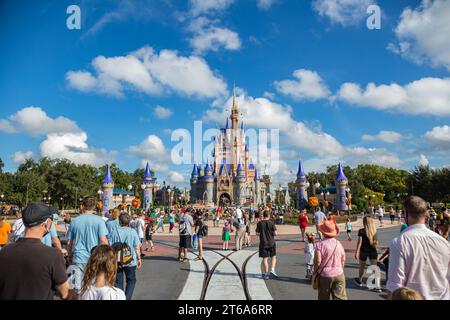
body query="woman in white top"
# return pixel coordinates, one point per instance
(100, 275)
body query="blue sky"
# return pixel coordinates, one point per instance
(137, 70)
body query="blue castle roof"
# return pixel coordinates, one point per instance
(227, 126)
(301, 176)
(147, 174)
(194, 170)
(256, 175)
(240, 167)
(251, 165)
(108, 177)
(225, 166)
(340, 175)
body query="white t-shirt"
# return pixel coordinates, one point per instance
(138, 225)
(103, 293)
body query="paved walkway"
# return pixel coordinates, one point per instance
(231, 275)
(225, 275)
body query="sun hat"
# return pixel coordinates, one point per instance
(328, 228)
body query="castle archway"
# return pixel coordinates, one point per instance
(224, 200)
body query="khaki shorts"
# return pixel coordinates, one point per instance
(334, 287)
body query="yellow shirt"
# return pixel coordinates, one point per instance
(4, 232)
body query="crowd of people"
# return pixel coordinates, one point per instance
(103, 254)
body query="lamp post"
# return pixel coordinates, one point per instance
(1, 197)
(316, 186)
(168, 193)
(62, 203)
(143, 186)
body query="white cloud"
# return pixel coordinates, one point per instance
(20, 157)
(175, 178)
(381, 157)
(198, 7)
(423, 96)
(265, 4)
(81, 80)
(423, 33)
(162, 113)
(74, 147)
(34, 121)
(423, 160)
(7, 126)
(308, 86)
(344, 12)
(320, 143)
(209, 37)
(64, 139)
(152, 150)
(439, 137)
(385, 136)
(147, 71)
(269, 95)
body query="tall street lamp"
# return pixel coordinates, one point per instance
(168, 194)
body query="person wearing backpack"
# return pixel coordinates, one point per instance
(202, 231)
(185, 230)
(127, 245)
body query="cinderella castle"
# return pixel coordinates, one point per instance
(232, 179)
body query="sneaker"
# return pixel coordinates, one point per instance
(266, 276)
(377, 290)
(358, 282)
(274, 273)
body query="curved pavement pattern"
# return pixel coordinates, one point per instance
(231, 275)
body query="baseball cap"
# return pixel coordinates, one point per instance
(37, 213)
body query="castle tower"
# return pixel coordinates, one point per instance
(240, 184)
(209, 183)
(149, 184)
(234, 130)
(107, 188)
(194, 180)
(257, 188)
(341, 185)
(302, 196)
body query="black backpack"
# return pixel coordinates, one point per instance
(204, 231)
(148, 230)
(182, 227)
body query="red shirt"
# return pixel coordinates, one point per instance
(303, 221)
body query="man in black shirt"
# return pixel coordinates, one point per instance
(267, 246)
(29, 270)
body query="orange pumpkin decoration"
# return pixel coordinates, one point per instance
(123, 206)
(348, 201)
(136, 203)
(313, 201)
(100, 205)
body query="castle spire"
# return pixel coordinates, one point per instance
(147, 174)
(108, 178)
(234, 94)
(340, 175)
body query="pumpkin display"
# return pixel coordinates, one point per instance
(123, 206)
(348, 201)
(313, 201)
(136, 203)
(100, 205)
